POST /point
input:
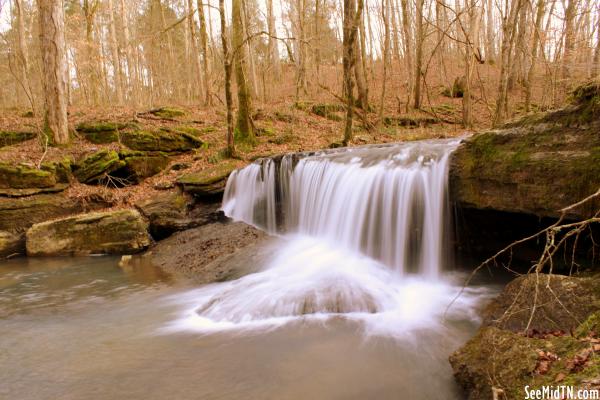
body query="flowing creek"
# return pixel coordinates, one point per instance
(353, 305)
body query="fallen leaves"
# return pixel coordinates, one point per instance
(545, 360)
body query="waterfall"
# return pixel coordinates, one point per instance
(362, 235)
(387, 202)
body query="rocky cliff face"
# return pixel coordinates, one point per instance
(537, 165)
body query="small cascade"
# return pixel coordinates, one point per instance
(386, 202)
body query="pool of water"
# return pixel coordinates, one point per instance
(85, 328)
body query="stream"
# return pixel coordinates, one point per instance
(357, 302)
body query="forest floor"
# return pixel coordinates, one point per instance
(280, 128)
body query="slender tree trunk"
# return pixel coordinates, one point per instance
(407, 48)
(132, 76)
(418, 54)
(22, 53)
(114, 51)
(471, 44)
(227, 67)
(54, 61)
(508, 39)
(570, 38)
(244, 123)
(272, 43)
(194, 47)
(93, 58)
(539, 18)
(596, 70)
(301, 46)
(490, 48)
(350, 24)
(385, 13)
(205, 55)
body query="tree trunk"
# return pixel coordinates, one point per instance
(407, 48)
(244, 123)
(418, 54)
(114, 51)
(54, 62)
(272, 43)
(350, 25)
(570, 38)
(385, 13)
(490, 48)
(205, 55)
(539, 17)
(508, 39)
(22, 53)
(227, 66)
(596, 70)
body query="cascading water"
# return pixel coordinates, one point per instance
(363, 234)
(387, 202)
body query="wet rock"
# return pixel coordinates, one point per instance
(214, 252)
(161, 140)
(140, 165)
(410, 122)
(173, 211)
(8, 138)
(561, 303)
(537, 165)
(18, 214)
(97, 166)
(111, 232)
(100, 131)
(208, 183)
(11, 243)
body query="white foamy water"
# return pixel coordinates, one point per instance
(364, 237)
(313, 280)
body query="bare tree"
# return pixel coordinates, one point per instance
(352, 15)
(227, 67)
(244, 123)
(54, 62)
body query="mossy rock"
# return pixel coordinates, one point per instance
(140, 165)
(8, 138)
(190, 130)
(111, 232)
(563, 302)
(328, 111)
(167, 112)
(100, 132)
(25, 177)
(18, 214)
(507, 361)
(161, 140)
(209, 182)
(532, 167)
(97, 166)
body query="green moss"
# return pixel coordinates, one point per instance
(161, 140)
(8, 138)
(190, 130)
(24, 177)
(100, 132)
(328, 111)
(167, 112)
(592, 324)
(96, 166)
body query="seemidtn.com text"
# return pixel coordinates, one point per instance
(561, 393)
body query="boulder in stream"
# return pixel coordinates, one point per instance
(110, 232)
